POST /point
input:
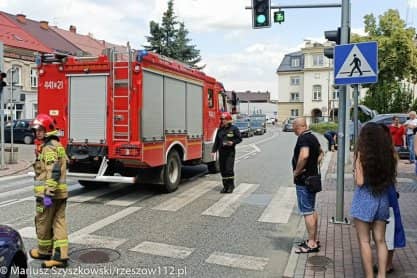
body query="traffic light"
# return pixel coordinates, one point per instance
(328, 52)
(279, 17)
(261, 13)
(333, 35)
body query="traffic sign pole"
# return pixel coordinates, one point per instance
(341, 134)
(2, 162)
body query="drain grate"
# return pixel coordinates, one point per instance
(94, 255)
(319, 262)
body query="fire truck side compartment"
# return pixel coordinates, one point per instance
(152, 114)
(87, 111)
(174, 106)
(194, 110)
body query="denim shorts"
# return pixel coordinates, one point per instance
(306, 200)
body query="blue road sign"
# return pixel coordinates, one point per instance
(356, 63)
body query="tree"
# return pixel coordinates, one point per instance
(397, 61)
(170, 39)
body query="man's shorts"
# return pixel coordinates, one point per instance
(306, 200)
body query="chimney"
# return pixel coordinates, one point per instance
(21, 18)
(44, 24)
(73, 29)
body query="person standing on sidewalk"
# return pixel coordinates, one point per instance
(51, 195)
(410, 125)
(375, 169)
(304, 164)
(227, 137)
(397, 132)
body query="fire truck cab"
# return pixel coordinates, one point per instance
(131, 117)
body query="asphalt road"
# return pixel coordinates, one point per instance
(193, 232)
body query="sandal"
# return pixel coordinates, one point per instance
(388, 271)
(300, 244)
(304, 249)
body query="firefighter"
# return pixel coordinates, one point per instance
(227, 137)
(51, 195)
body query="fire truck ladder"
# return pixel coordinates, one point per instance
(121, 114)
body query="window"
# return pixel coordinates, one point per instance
(222, 102)
(295, 97)
(294, 112)
(15, 74)
(33, 78)
(295, 80)
(210, 98)
(318, 60)
(295, 62)
(317, 92)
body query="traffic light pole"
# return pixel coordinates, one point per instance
(342, 134)
(330, 5)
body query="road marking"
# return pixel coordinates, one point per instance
(16, 191)
(9, 178)
(227, 205)
(280, 208)
(128, 199)
(186, 197)
(162, 249)
(90, 195)
(256, 148)
(238, 261)
(83, 236)
(106, 221)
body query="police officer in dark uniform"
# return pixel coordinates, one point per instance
(227, 137)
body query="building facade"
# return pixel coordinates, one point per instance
(305, 85)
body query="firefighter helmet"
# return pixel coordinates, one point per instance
(226, 116)
(45, 121)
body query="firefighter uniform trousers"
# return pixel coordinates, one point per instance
(227, 164)
(50, 222)
(51, 229)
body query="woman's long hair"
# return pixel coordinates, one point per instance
(377, 156)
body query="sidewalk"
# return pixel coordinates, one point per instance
(17, 168)
(339, 255)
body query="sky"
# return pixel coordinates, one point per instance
(237, 55)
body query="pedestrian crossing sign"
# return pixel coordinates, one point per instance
(356, 63)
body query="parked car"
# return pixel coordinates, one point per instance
(12, 252)
(288, 124)
(245, 128)
(258, 123)
(21, 131)
(386, 119)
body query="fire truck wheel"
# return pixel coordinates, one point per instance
(172, 172)
(213, 167)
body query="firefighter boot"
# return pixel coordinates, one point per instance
(225, 186)
(58, 259)
(35, 254)
(231, 185)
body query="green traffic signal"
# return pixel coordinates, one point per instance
(279, 17)
(261, 19)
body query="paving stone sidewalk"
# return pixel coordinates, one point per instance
(339, 255)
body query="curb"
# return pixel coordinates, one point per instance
(12, 175)
(291, 266)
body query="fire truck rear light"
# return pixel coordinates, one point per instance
(41, 72)
(128, 150)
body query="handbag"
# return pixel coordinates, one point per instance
(313, 183)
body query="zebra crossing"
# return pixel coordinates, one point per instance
(222, 206)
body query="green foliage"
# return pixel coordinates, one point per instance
(397, 61)
(170, 39)
(323, 127)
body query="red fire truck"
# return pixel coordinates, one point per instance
(133, 120)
